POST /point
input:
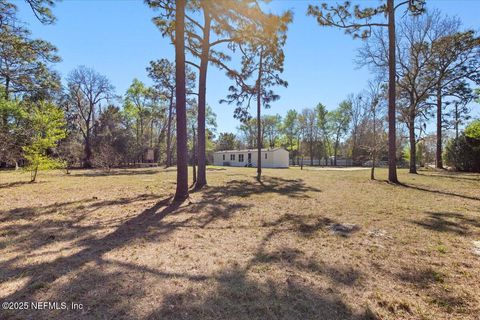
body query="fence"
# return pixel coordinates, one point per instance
(322, 162)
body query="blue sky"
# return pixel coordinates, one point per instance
(118, 39)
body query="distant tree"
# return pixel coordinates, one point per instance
(47, 124)
(302, 129)
(463, 153)
(138, 106)
(358, 108)
(14, 131)
(455, 58)
(458, 115)
(70, 150)
(158, 122)
(323, 129)
(339, 120)
(271, 128)
(248, 132)
(359, 22)
(162, 73)
(458, 109)
(373, 105)
(227, 141)
(309, 125)
(262, 64)
(211, 126)
(290, 129)
(111, 141)
(86, 89)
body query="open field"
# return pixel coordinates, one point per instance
(241, 249)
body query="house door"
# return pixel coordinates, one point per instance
(249, 159)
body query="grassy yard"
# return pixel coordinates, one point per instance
(241, 249)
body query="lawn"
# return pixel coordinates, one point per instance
(114, 245)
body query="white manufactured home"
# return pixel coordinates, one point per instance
(271, 158)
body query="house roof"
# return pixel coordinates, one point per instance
(249, 150)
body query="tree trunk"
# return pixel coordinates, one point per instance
(457, 116)
(335, 153)
(7, 87)
(202, 92)
(325, 153)
(374, 147)
(259, 124)
(5, 115)
(311, 153)
(372, 172)
(87, 162)
(291, 152)
(413, 145)
(151, 134)
(194, 157)
(137, 140)
(392, 147)
(33, 175)
(168, 162)
(354, 146)
(181, 192)
(337, 142)
(439, 162)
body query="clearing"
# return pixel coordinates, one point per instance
(240, 249)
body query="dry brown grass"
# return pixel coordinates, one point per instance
(241, 249)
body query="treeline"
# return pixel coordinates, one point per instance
(356, 129)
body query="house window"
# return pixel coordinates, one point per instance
(232, 157)
(265, 156)
(223, 157)
(240, 158)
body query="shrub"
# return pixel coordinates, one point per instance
(463, 154)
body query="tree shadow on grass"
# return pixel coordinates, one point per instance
(26, 213)
(237, 292)
(93, 249)
(115, 172)
(450, 222)
(446, 193)
(8, 185)
(236, 296)
(88, 241)
(112, 288)
(296, 188)
(420, 278)
(426, 279)
(454, 176)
